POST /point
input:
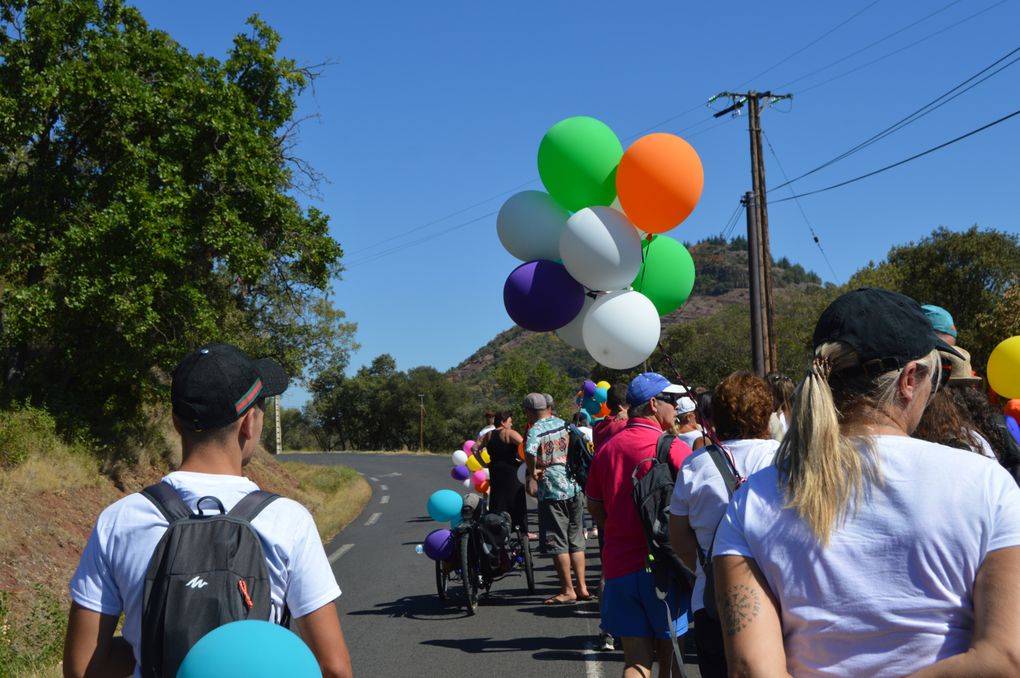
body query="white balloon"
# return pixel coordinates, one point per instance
(486, 469)
(467, 483)
(459, 458)
(571, 332)
(522, 472)
(529, 225)
(601, 249)
(619, 208)
(621, 329)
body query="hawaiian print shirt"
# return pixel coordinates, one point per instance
(548, 441)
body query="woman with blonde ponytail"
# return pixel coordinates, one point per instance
(862, 551)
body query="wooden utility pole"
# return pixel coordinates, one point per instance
(758, 338)
(421, 422)
(279, 431)
(760, 253)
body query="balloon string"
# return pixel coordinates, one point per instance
(699, 411)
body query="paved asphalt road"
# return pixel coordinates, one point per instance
(393, 619)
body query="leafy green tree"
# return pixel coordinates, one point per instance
(147, 201)
(967, 273)
(297, 427)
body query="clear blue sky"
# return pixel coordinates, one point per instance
(438, 108)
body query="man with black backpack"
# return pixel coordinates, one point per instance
(205, 546)
(642, 601)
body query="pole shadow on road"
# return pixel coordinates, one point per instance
(543, 647)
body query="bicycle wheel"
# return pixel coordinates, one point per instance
(442, 579)
(469, 574)
(529, 568)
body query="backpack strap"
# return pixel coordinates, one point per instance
(662, 449)
(166, 499)
(252, 504)
(723, 464)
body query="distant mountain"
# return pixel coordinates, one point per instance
(721, 281)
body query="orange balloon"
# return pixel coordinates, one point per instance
(520, 451)
(482, 487)
(603, 411)
(1012, 409)
(659, 182)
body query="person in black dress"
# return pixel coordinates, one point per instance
(506, 493)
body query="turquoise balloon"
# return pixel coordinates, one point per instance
(252, 649)
(577, 162)
(444, 505)
(667, 273)
(601, 395)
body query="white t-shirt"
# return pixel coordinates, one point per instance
(586, 430)
(690, 437)
(110, 578)
(893, 591)
(700, 494)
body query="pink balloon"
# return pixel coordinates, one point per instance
(468, 444)
(479, 477)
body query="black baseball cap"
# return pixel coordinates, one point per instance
(217, 383)
(886, 329)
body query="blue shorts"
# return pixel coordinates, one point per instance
(631, 609)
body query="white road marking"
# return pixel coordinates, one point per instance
(392, 475)
(340, 552)
(374, 480)
(373, 519)
(384, 488)
(385, 499)
(592, 664)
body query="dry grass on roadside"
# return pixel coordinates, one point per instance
(334, 494)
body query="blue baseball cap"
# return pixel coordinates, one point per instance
(940, 319)
(647, 385)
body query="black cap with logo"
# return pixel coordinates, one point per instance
(886, 329)
(217, 383)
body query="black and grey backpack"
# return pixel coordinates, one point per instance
(207, 570)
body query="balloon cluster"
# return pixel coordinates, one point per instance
(596, 271)
(471, 469)
(592, 399)
(443, 506)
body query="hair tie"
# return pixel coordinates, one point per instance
(822, 366)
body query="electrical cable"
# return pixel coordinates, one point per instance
(905, 160)
(731, 223)
(931, 106)
(814, 235)
(905, 47)
(412, 243)
(869, 45)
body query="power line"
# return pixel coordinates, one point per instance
(870, 45)
(931, 106)
(814, 235)
(906, 160)
(731, 223)
(404, 245)
(810, 44)
(905, 47)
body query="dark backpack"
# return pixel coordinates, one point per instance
(651, 494)
(207, 570)
(730, 477)
(494, 530)
(579, 454)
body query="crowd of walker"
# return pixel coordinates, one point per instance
(865, 522)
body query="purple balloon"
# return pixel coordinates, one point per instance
(460, 472)
(589, 388)
(439, 544)
(1013, 427)
(541, 296)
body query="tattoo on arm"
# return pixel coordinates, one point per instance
(740, 608)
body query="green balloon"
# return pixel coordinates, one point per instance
(667, 273)
(577, 162)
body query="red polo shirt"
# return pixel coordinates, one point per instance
(609, 481)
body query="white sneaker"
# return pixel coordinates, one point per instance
(606, 643)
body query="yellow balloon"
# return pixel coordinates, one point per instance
(1004, 368)
(485, 456)
(472, 463)
(602, 384)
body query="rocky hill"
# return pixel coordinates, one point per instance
(721, 281)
